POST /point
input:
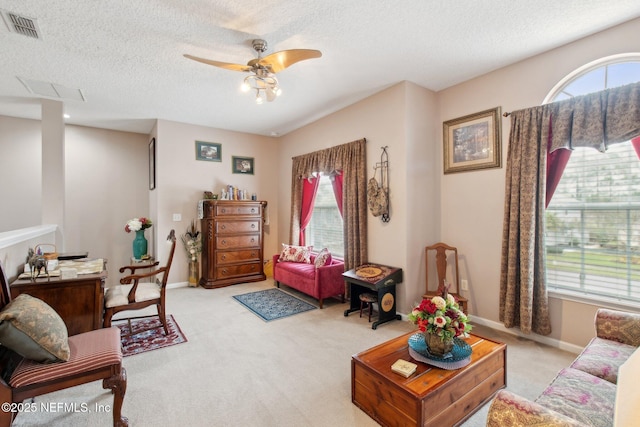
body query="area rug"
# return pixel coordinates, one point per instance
(272, 304)
(148, 339)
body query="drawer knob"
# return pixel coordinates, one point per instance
(253, 240)
(224, 271)
(224, 242)
(223, 227)
(223, 210)
(223, 257)
(253, 226)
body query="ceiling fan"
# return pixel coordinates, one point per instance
(263, 79)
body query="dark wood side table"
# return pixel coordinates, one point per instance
(79, 301)
(382, 280)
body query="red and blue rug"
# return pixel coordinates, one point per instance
(148, 339)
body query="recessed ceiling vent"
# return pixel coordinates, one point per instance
(21, 25)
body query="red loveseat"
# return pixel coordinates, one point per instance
(320, 283)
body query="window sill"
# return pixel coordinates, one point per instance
(594, 300)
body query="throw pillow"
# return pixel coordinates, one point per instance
(296, 253)
(323, 258)
(34, 330)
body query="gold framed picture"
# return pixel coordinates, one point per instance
(472, 142)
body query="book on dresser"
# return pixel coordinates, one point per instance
(232, 242)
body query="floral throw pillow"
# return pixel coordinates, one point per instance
(323, 258)
(296, 253)
(34, 330)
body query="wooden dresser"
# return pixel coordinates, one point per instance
(232, 242)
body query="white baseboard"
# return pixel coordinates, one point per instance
(552, 342)
(177, 285)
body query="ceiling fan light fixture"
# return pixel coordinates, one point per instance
(264, 83)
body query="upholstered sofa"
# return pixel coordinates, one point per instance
(319, 282)
(585, 392)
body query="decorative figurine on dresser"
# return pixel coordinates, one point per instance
(232, 242)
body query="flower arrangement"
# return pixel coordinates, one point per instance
(192, 242)
(137, 224)
(441, 316)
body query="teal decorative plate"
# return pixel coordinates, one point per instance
(457, 358)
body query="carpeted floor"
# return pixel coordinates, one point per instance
(238, 370)
(272, 304)
(148, 334)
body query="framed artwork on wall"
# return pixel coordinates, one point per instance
(242, 165)
(208, 151)
(472, 142)
(152, 164)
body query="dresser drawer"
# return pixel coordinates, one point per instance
(236, 242)
(238, 209)
(229, 257)
(230, 226)
(224, 272)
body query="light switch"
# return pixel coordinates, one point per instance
(464, 285)
(177, 217)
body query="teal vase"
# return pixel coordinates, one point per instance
(139, 245)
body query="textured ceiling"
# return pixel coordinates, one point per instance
(126, 57)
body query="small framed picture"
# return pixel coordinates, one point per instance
(208, 151)
(152, 164)
(242, 165)
(472, 142)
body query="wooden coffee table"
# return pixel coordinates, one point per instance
(431, 396)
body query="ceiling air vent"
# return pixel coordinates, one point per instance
(21, 24)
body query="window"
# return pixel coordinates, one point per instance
(593, 219)
(325, 228)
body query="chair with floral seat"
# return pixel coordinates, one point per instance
(134, 293)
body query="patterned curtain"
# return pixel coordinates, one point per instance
(596, 120)
(351, 159)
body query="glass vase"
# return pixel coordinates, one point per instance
(139, 245)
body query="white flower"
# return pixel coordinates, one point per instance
(439, 302)
(134, 224)
(450, 299)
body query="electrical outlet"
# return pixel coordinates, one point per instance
(177, 217)
(464, 284)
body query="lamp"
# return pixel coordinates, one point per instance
(264, 83)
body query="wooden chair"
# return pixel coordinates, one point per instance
(441, 250)
(133, 294)
(94, 355)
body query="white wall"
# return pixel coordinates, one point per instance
(20, 173)
(472, 202)
(402, 118)
(181, 181)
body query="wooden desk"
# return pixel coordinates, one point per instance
(382, 280)
(431, 396)
(79, 301)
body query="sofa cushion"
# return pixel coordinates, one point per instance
(291, 253)
(34, 330)
(302, 270)
(583, 397)
(603, 358)
(508, 409)
(323, 258)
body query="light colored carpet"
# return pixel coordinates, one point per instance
(237, 370)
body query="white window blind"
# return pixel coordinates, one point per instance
(593, 225)
(325, 230)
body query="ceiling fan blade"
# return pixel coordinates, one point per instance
(278, 61)
(225, 65)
